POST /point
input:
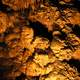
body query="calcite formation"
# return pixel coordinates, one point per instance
(38, 38)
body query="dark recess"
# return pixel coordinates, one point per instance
(5, 8)
(74, 63)
(40, 30)
(74, 4)
(76, 30)
(3, 44)
(21, 77)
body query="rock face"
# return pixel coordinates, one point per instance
(22, 4)
(38, 39)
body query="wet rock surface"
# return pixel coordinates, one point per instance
(39, 40)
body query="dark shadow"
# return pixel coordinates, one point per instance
(5, 8)
(21, 77)
(40, 30)
(76, 30)
(74, 63)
